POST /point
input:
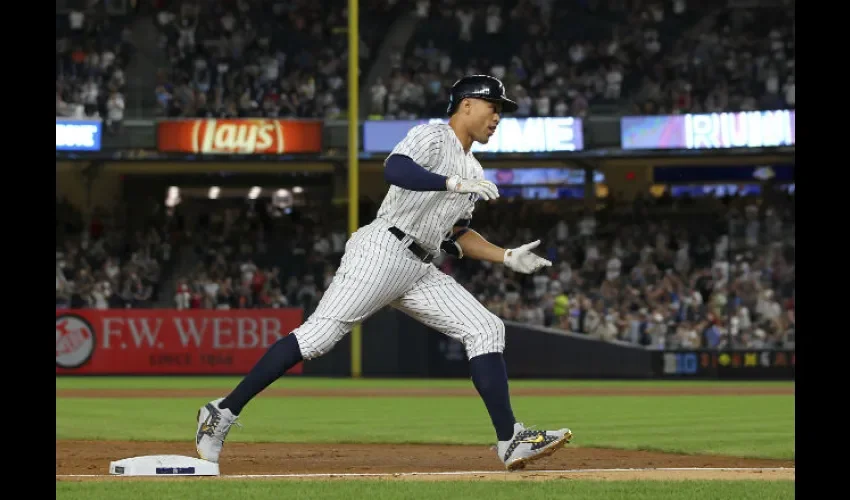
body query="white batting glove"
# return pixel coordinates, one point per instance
(483, 188)
(521, 259)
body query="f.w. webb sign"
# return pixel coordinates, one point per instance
(160, 341)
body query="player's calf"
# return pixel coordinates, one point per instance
(490, 378)
(280, 357)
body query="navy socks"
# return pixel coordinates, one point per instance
(281, 356)
(491, 381)
(488, 371)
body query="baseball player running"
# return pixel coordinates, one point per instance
(435, 182)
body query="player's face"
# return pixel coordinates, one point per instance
(484, 117)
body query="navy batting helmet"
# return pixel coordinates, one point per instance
(484, 87)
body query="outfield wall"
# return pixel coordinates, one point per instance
(395, 345)
(204, 342)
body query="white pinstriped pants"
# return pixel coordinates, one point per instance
(378, 270)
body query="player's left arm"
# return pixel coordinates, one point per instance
(468, 243)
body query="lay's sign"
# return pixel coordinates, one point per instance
(239, 136)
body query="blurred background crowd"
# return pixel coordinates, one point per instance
(717, 272)
(288, 58)
(111, 259)
(93, 49)
(571, 57)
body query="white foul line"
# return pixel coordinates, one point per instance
(458, 473)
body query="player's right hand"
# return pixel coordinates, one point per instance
(483, 188)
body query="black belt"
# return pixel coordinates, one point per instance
(422, 254)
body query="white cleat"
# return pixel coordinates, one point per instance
(213, 426)
(528, 445)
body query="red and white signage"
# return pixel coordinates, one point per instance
(163, 341)
(239, 136)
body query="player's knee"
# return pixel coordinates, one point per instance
(498, 333)
(317, 336)
(490, 337)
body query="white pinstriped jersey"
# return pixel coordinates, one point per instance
(428, 216)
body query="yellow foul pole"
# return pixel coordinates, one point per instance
(353, 148)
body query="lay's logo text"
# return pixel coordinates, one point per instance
(239, 136)
(244, 136)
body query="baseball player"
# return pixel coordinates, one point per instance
(435, 181)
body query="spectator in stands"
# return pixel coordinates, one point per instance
(183, 297)
(115, 111)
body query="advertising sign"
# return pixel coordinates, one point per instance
(513, 135)
(669, 174)
(239, 136)
(78, 135)
(168, 341)
(750, 129)
(737, 364)
(531, 176)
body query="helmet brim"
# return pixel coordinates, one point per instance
(508, 106)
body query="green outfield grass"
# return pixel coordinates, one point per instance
(341, 383)
(751, 426)
(409, 490)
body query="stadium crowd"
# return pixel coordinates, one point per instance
(661, 273)
(717, 273)
(103, 263)
(252, 58)
(258, 257)
(642, 56)
(92, 52)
